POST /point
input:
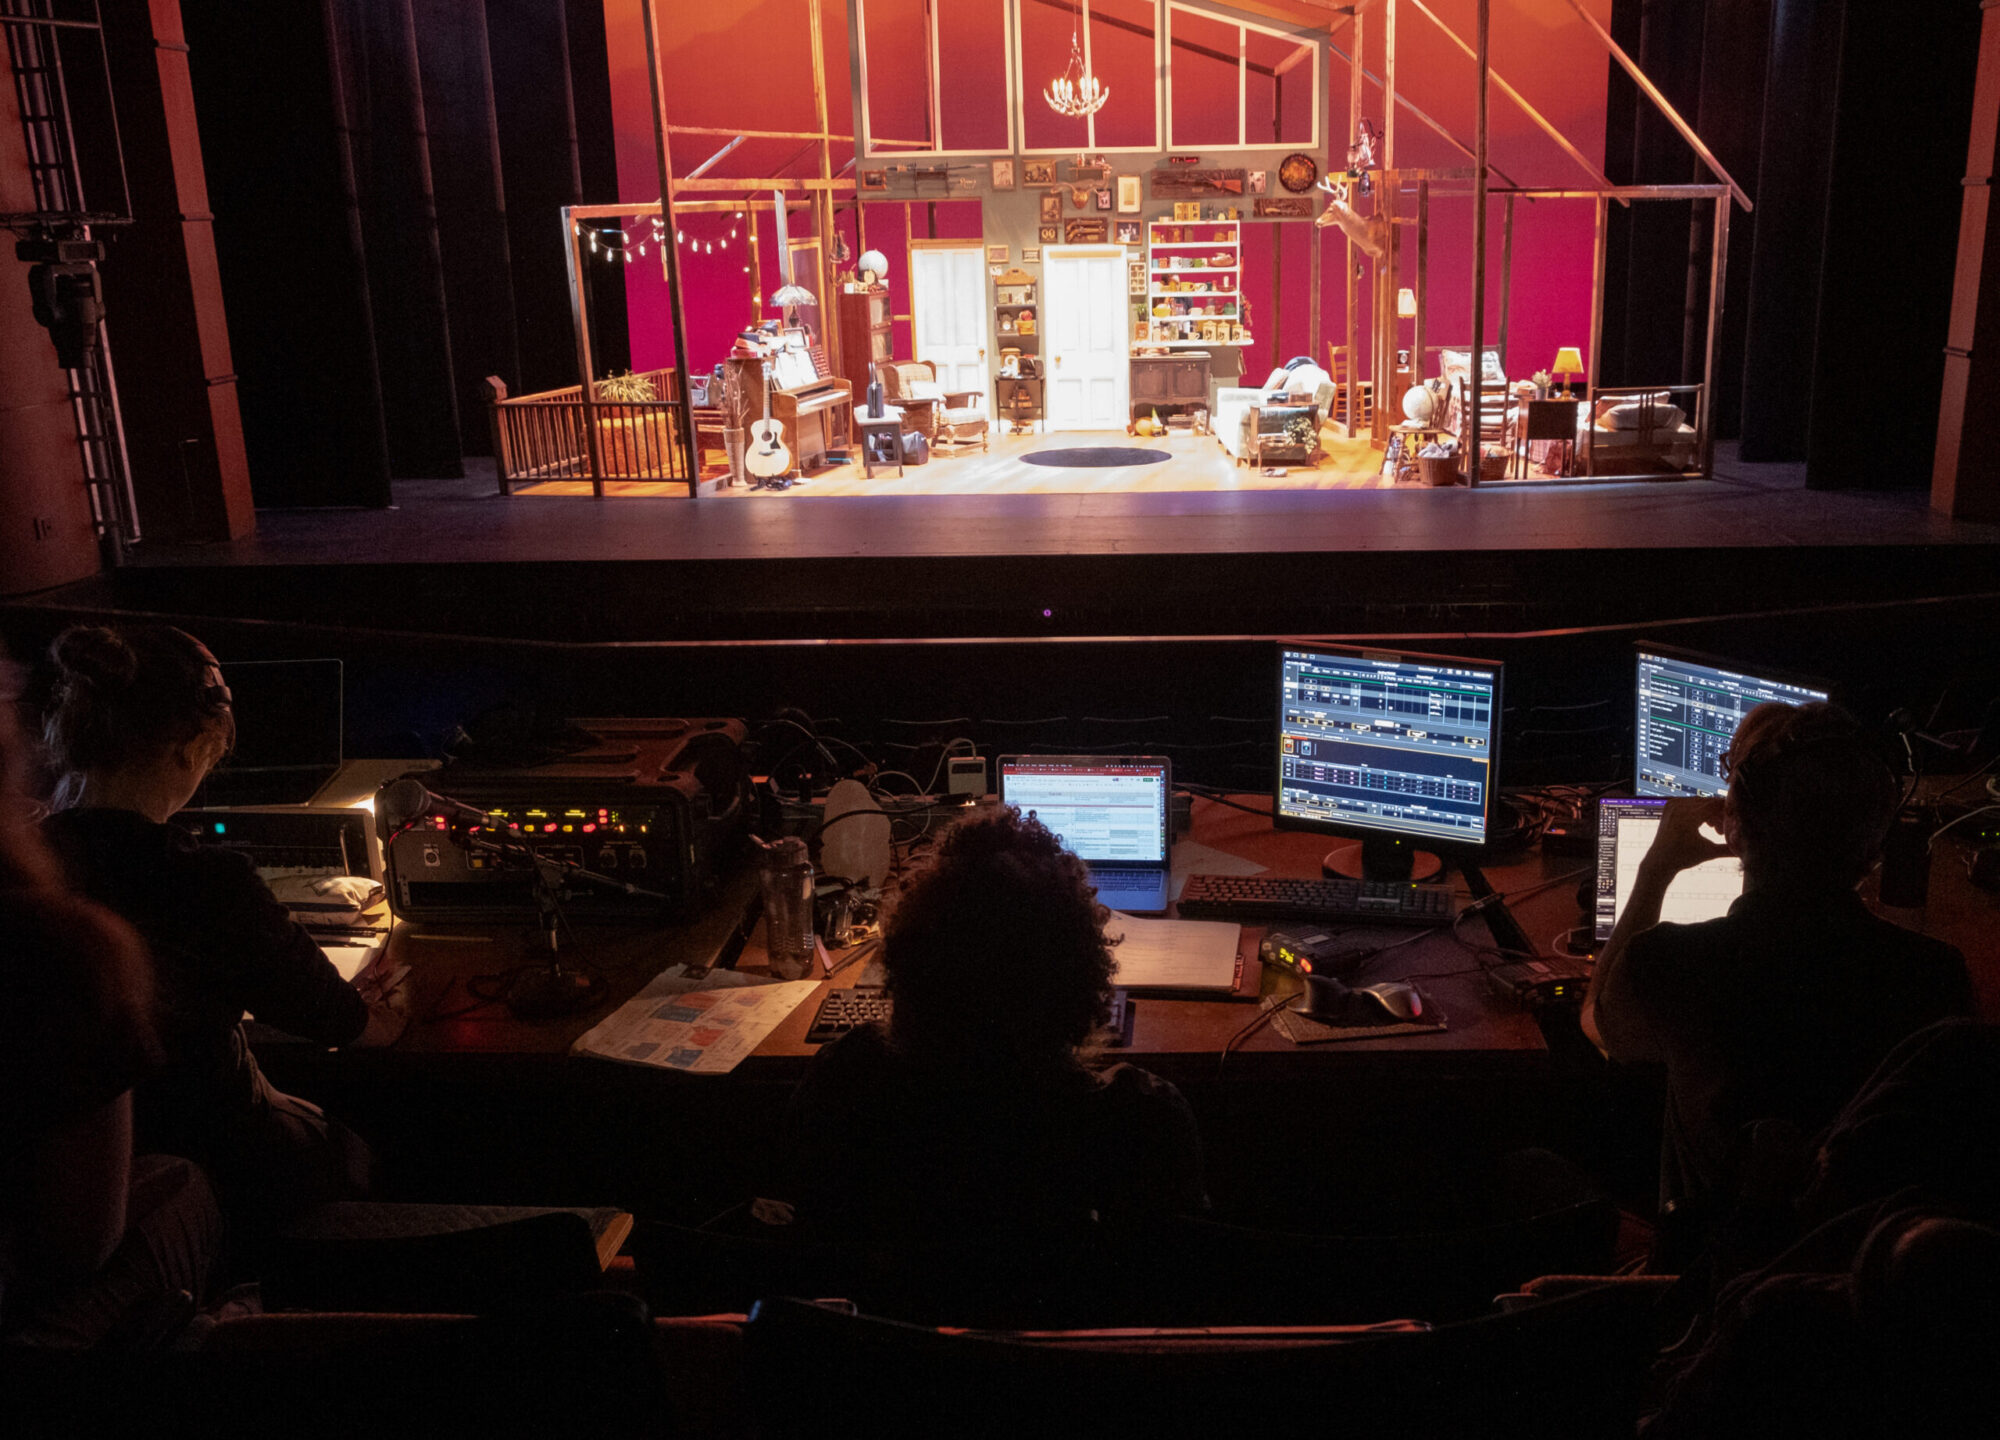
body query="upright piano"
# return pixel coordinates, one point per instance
(814, 409)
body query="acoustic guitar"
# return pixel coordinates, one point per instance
(767, 457)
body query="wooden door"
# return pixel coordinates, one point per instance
(1083, 314)
(948, 313)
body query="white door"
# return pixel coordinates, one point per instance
(1088, 358)
(948, 314)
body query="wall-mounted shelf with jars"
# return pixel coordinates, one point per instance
(1193, 285)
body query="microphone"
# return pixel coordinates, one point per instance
(404, 801)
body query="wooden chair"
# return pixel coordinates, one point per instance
(1340, 366)
(949, 417)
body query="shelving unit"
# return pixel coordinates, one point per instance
(1017, 325)
(1184, 275)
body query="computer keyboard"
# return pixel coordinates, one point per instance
(1255, 898)
(849, 1009)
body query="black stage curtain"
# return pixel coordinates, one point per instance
(386, 177)
(1847, 124)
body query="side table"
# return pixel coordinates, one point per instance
(881, 439)
(1547, 420)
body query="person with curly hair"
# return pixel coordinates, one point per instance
(99, 1246)
(984, 1105)
(140, 716)
(1778, 1010)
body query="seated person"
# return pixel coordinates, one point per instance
(1780, 1009)
(982, 1106)
(96, 1247)
(139, 718)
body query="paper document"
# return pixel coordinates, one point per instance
(706, 1025)
(1174, 954)
(1191, 857)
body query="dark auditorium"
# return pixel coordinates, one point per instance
(685, 751)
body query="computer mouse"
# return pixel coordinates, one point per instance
(1330, 1002)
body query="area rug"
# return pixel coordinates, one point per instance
(1094, 457)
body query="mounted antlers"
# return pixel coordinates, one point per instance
(1371, 234)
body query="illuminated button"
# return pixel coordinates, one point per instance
(589, 827)
(549, 828)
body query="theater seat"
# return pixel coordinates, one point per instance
(1568, 1367)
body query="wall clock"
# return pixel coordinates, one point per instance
(1297, 172)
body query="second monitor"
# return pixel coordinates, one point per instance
(1397, 751)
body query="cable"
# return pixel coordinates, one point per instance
(1950, 824)
(1267, 1008)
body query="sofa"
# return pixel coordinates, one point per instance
(1249, 420)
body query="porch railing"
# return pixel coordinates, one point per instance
(567, 435)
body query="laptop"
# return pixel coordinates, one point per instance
(1113, 811)
(1625, 831)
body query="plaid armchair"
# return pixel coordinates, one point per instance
(957, 416)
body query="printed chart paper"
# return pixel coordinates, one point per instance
(705, 1026)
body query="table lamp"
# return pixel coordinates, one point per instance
(1406, 304)
(1568, 362)
(789, 297)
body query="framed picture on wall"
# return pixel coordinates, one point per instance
(1104, 198)
(1051, 208)
(1049, 234)
(1135, 278)
(1031, 254)
(1038, 172)
(1003, 174)
(1257, 181)
(996, 254)
(1128, 194)
(1128, 232)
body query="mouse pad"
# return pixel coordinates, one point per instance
(1302, 1031)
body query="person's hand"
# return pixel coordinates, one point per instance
(1680, 845)
(385, 1026)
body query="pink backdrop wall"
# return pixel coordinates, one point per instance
(712, 79)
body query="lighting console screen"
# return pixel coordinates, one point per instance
(1401, 744)
(1688, 708)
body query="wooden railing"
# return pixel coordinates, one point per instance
(564, 435)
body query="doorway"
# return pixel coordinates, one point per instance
(1084, 318)
(948, 312)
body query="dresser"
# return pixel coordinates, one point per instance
(866, 335)
(1170, 384)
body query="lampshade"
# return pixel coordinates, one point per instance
(873, 262)
(1406, 304)
(1568, 361)
(791, 295)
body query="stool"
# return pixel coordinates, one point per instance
(881, 439)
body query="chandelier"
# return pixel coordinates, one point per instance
(1076, 91)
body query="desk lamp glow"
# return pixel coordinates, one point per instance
(1569, 361)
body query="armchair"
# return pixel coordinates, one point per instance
(1250, 421)
(952, 417)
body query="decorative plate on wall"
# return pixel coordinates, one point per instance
(1297, 173)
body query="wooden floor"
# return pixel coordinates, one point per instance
(1199, 463)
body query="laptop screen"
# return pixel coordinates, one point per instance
(1111, 810)
(1625, 831)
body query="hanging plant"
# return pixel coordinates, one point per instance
(1299, 431)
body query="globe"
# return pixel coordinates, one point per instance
(1419, 405)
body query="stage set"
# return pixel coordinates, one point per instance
(1234, 236)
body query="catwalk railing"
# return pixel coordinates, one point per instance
(567, 434)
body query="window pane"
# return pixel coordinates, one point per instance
(1202, 63)
(898, 47)
(1045, 37)
(972, 70)
(1278, 90)
(1122, 56)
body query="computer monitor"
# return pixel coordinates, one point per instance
(289, 733)
(1625, 832)
(1397, 751)
(1689, 706)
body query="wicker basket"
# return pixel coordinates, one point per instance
(1438, 469)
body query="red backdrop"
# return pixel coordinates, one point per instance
(746, 63)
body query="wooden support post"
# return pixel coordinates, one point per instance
(579, 301)
(1423, 282)
(671, 256)
(1593, 359)
(1355, 73)
(1506, 277)
(1315, 265)
(829, 312)
(1965, 478)
(1277, 269)
(1718, 280)
(1474, 450)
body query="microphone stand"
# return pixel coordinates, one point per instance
(556, 989)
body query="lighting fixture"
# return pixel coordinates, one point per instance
(873, 265)
(1569, 360)
(1076, 91)
(789, 298)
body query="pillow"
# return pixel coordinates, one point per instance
(1279, 379)
(1607, 403)
(1638, 415)
(1306, 379)
(924, 390)
(1457, 365)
